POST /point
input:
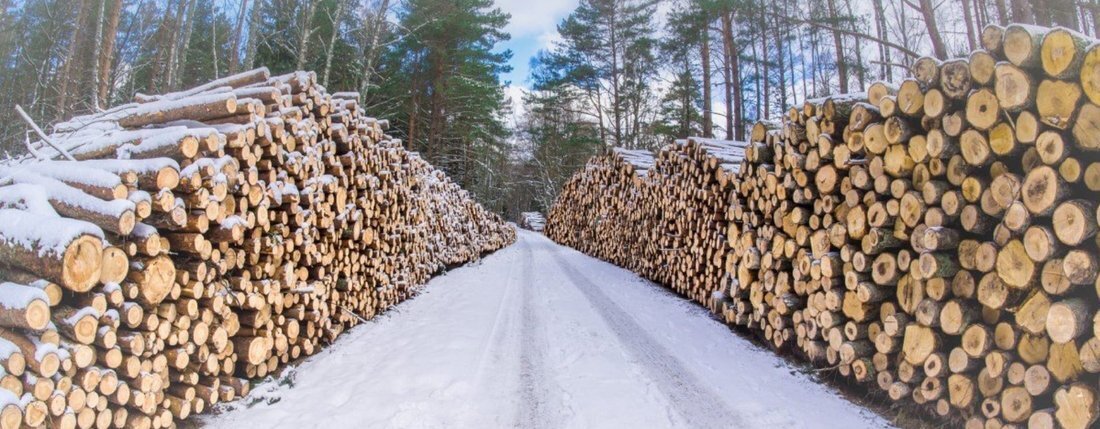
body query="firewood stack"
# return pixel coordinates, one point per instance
(934, 238)
(203, 238)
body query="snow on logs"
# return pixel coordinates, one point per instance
(205, 238)
(935, 238)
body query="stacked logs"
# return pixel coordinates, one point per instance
(533, 221)
(608, 204)
(195, 240)
(661, 215)
(935, 238)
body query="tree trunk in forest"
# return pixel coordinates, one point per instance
(1021, 12)
(235, 38)
(1002, 13)
(304, 34)
(885, 71)
(814, 64)
(764, 60)
(1063, 13)
(174, 44)
(861, 69)
(214, 45)
(838, 45)
(968, 20)
(756, 75)
(107, 56)
(781, 84)
(1042, 12)
(97, 46)
(253, 34)
(802, 64)
(371, 51)
(704, 54)
(186, 46)
(616, 102)
(734, 108)
(70, 57)
(332, 41)
(929, 13)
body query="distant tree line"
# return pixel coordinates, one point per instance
(621, 77)
(430, 66)
(632, 73)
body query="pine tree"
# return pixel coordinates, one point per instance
(441, 86)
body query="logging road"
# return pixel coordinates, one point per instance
(541, 336)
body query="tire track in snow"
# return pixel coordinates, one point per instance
(686, 393)
(532, 361)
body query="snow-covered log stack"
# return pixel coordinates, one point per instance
(935, 238)
(206, 237)
(533, 221)
(686, 221)
(662, 216)
(605, 205)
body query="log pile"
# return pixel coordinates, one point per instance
(934, 238)
(533, 221)
(200, 239)
(662, 215)
(608, 203)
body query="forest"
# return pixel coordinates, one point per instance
(619, 73)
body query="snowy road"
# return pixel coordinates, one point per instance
(541, 336)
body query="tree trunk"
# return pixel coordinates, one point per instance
(97, 46)
(704, 54)
(780, 64)
(838, 42)
(861, 69)
(968, 20)
(1021, 12)
(727, 71)
(371, 51)
(764, 49)
(174, 44)
(235, 39)
(929, 13)
(1002, 13)
(70, 57)
(304, 34)
(332, 41)
(253, 34)
(885, 71)
(107, 56)
(214, 43)
(1063, 13)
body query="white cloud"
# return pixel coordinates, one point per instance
(515, 95)
(548, 38)
(530, 17)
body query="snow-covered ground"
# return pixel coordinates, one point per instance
(541, 336)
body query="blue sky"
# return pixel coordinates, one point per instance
(533, 26)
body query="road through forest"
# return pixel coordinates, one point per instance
(541, 336)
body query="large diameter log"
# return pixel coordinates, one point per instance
(1062, 53)
(1077, 406)
(64, 251)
